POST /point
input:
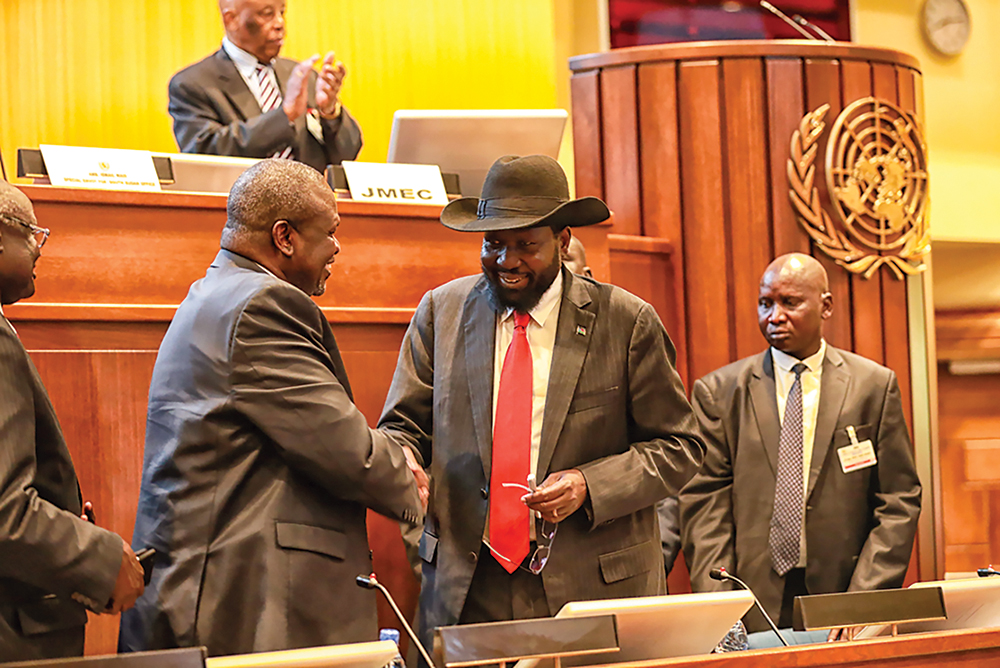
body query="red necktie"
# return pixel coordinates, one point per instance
(512, 451)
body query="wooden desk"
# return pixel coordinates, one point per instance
(979, 647)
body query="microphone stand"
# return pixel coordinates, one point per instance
(722, 574)
(371, 583)
(784, 17)
(805, 23)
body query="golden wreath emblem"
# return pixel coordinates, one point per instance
(876, 177)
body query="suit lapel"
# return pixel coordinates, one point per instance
(832, 392)
(765, 406)
(573, 334)
(233, 86)
(479, 330)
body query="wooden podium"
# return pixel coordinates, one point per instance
(689, 145)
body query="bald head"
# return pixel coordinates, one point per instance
(283, 215)
(13, 202)
(256, 26)
(804, 268)
(793, 302)
(272, 190)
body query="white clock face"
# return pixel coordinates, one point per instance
(947, 25)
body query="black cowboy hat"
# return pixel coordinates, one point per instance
(523, 192)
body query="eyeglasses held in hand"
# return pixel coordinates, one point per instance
(545, 535)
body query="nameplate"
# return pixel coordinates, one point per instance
(394, 182)
(100, 168)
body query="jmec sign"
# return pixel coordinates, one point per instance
(378, 182)
(401, 194)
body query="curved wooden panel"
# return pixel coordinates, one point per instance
(706, 244)
(619, 130)
(784, 48)
(785, 107)
(745, 124)
(588, 165)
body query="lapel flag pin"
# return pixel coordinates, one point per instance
(581, 330)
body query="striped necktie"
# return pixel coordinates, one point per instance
(270, 98)
(786, 520)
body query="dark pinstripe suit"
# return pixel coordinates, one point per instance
(257, 476)
(45, 548)
(615, 410)
(859, 526)
(214, 112)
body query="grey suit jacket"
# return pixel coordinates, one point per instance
(859, 526)
(615, 410)
(257, 474)
(52, 563)
(215, 113)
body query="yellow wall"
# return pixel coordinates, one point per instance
(95, 72)
(962, 113)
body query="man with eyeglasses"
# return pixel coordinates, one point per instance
(54, 565)
(530, 373)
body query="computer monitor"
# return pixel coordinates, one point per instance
(659, 627)
(468, 142)
(354, 655)
(971, 603)
(194, 172)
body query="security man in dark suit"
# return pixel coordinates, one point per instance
(808, 485)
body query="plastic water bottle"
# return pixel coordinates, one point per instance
(393, 635)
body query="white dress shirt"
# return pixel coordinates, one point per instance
(246, 64)
(541, 333)
(784, 378)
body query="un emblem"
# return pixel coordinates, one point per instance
(876, 180)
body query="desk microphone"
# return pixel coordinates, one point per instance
(722, 574)
(369, 582)
(805, 23)
(784, 17)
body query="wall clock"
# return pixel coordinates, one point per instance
(946, 25)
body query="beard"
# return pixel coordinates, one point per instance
(503, 298)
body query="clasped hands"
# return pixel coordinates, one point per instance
(419, 475)
(331, 78)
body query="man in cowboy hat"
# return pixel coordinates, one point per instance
(531, 373)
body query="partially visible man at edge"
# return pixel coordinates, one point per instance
(258, 468)
(245, 101)
(54, 565)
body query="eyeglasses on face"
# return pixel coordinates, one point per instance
(39, 234)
